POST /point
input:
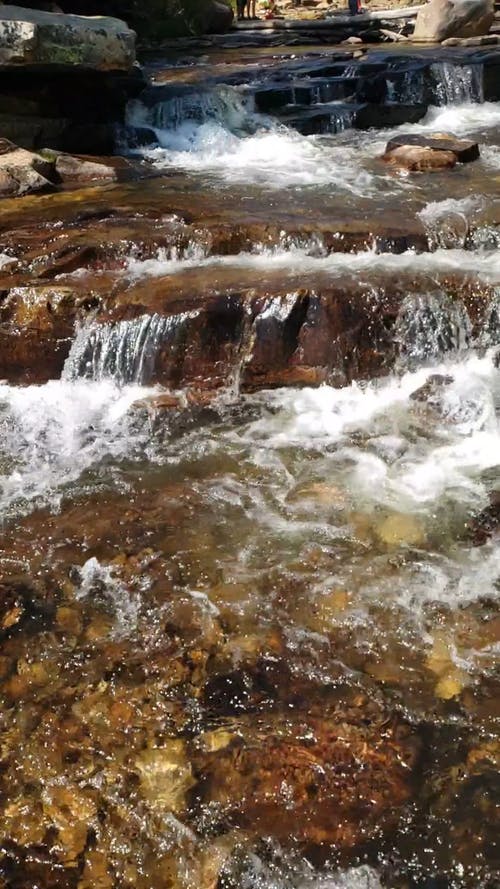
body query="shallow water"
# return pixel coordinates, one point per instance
(250, 641)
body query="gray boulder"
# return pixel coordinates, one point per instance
(442, 19)
(218, 17)
(32, 37)
(23, 172)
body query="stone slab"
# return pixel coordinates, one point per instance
(32, 37)
(465, 150)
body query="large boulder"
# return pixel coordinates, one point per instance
(217, 18)
(156, 20)
(442, 19)
(33, 37)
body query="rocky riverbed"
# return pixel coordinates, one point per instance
(249, 486)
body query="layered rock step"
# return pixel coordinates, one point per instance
(330, 93)
(203, 327)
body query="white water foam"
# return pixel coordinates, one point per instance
(221, 134)
(260, 875)
(99, 581)
(447, 461)
(50, 435)
(485, 264)
(279, 158)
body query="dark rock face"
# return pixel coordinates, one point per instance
(65, 108)
(65, 80)
(278, 330)
(274, 337)
(161, 18)
(36, 37)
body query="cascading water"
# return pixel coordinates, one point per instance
(410, 89)
(448, 223)
(261, 630)
(341, 119)
(221, 105)
(457, 84)
(489, 334)
(430, 325)
(442, 83)
(124, 352)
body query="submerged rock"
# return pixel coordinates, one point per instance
(441, 19)
(326, 780)
(166, 776)
(399, 529)
(486, 524)
(433, 387)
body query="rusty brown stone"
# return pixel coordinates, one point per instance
(320, 781)
(418, 159)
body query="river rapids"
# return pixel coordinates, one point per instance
(250, 600)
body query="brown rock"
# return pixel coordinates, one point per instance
(82, 170)
(166, 776)
(441, 19)
(420, 160)
(465, 150)
(72, 813)
(21, 600)
(68, 620)
(327, 781)
(95, 874)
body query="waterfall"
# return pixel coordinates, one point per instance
(489, 334)
(341, 119)
(351, 71)
(443, 83)
(456, 84)
(429, 325)
(224, 105)
(125, 351)
(410, 90)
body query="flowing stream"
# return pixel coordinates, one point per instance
(252, 628)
